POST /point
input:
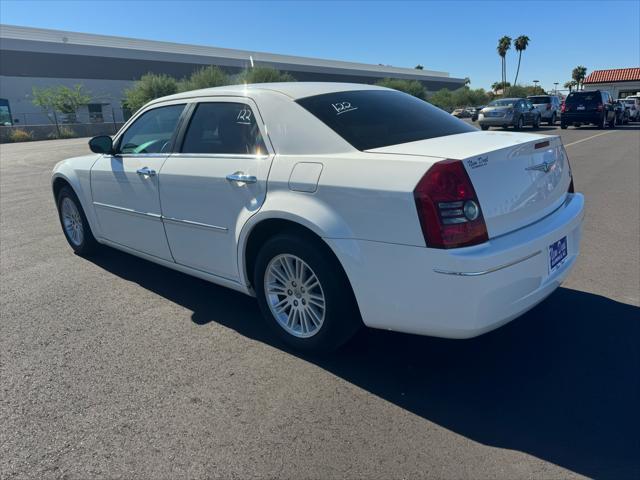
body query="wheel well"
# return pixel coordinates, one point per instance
(267, 229)
(58, 183)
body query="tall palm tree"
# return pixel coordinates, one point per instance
(521, 43)
(570, 85)
(504, 44)
(579, 74)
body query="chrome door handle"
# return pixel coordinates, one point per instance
(146, 171)
(240, 177)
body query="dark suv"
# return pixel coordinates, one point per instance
(595, 107)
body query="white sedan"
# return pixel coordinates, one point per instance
(336, 205)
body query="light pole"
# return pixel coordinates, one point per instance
(556, 85)
(535, 83)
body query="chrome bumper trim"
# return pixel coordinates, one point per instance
(490, 270)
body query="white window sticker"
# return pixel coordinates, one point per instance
(343, 107)
(244, 117)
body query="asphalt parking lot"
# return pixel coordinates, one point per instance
(114, 367)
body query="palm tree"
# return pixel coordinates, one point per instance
(495, 86)
(570, 85)
(467, 81)
(521, 44)
(579, 74)
(504, 44)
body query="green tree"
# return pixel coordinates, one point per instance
(579, 74)
(61, 99)
(504, 44)
(205, 77)
(412, 87)
(521, 91)
(521, 43)
(264, 75)
(462, 97)
(495, 86)
(419, 67)
(571, 84)
(149, 87)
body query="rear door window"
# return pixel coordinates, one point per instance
(223, 128)
(378, 118)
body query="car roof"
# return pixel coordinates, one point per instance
(294, 90)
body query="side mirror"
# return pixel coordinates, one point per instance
(101, 144)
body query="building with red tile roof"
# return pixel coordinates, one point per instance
(620, 82)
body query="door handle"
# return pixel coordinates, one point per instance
(146, 171)
(240, 177)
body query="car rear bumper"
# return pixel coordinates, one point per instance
(465, 292)
(569, 118)
(495, 121)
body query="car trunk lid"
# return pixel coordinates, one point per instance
(519, 178)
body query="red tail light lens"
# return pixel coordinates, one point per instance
(448, 207)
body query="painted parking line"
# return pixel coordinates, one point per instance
(588, 138)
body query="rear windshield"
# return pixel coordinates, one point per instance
(587, 98)
(378, 118)
(509, 102)
(538, 100)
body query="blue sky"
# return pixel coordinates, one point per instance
(456, 36)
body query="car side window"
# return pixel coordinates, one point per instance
(152, 132)
(223, 128)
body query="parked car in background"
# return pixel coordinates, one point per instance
(548, 106)
(633, 103)
(596, 107)
(622, 112)
(506, 112)
(461, 113)
(362, 205)
(476, 113)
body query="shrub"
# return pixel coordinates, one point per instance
(412, 87)
(65, 132)
(19, 135)
(264, 75)
(149, 87)
(206, 77)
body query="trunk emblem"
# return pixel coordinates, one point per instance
(542, 167)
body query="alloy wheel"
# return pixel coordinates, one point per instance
(72, 221)
(294, 295)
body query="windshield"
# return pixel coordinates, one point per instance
(502, 103)
(377, 118)
(539, 100)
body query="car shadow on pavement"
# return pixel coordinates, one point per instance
(561, 383)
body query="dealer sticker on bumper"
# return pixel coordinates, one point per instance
(557, 254)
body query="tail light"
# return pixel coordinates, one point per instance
(600, 107)
(563, 107)
(448, 207)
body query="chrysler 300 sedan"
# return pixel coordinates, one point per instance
(335, 205)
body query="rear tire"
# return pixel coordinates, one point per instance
(304, 294)
(536, 123)
(484, 127)
(612, 123)
(552, 120)
(520, 123)
(563, 126)
(74, 223)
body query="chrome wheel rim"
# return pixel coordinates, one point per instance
(294, 295)
(72, 221)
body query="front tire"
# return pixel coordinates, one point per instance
(74, 223)
(304, 294)
(520, 123)
(552, 120)
(536, 123)
(484, 127)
